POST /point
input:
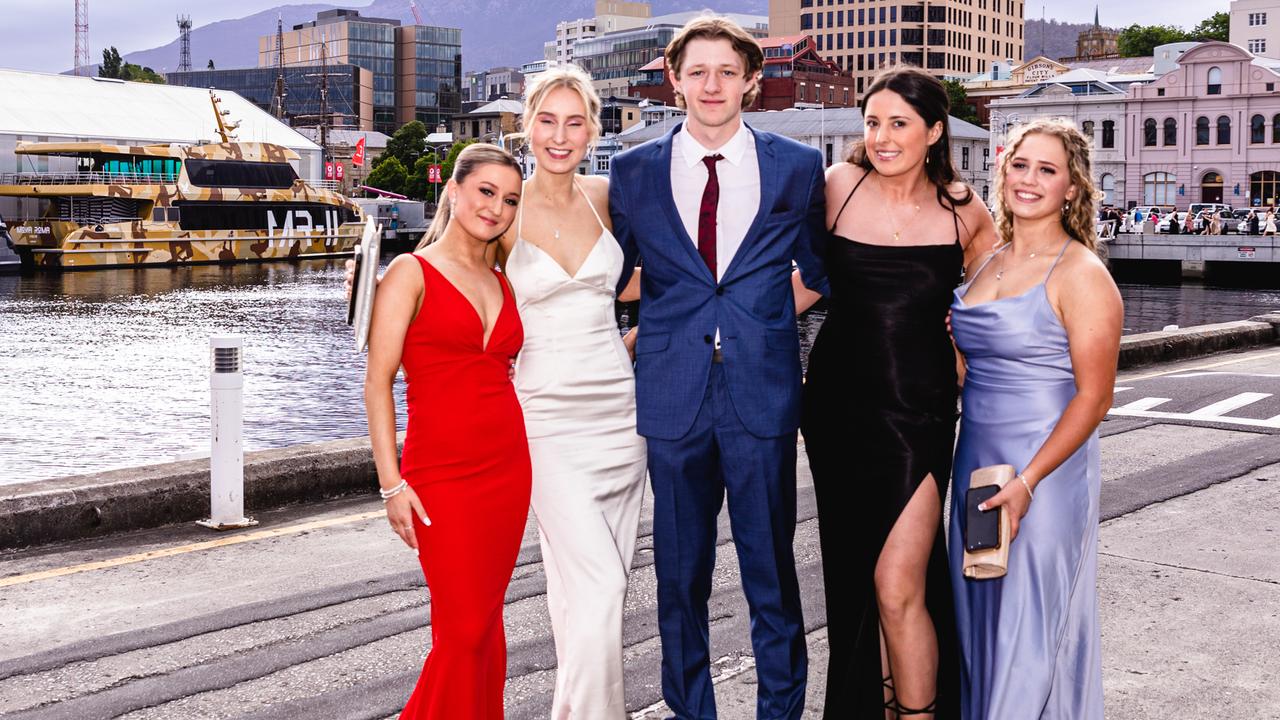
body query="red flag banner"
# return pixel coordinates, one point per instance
(358, 158)
(328, 171)
(337, 170)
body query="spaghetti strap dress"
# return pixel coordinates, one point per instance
(879, 418)
(466, 457)
(1030, 641)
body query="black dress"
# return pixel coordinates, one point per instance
(879, 417)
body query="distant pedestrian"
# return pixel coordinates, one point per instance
(1189, 222)
(1270, 227)
(1253, 222)
(1215, 224)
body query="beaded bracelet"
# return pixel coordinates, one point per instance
(388, 494)
(1026, 485)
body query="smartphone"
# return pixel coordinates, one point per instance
(982, 528)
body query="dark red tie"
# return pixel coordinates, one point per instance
(707, 214)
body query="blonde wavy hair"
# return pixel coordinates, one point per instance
(1078, 216)
(568, 76)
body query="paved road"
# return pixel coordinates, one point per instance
(319, 612)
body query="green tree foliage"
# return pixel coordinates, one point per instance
(407, 144)
(1141, 40)
(114, 67)
(960, 106)
(446, 170)
(111, 62)
(1214, 27)
(389, 174)
(417, 186)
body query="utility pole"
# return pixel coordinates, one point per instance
(82, 37)
(184, 43)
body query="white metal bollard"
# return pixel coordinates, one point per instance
(226, 460)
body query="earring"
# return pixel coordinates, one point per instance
(1066, 207)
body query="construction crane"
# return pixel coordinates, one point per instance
(417, 14)
(82, 37)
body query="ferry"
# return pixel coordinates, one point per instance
(128, 206)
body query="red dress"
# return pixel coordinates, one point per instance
(466, 456)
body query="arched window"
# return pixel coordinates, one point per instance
(1257, 129)
(1149, 133)
(1264, 187)
(1215, 81)
(1108, 133)
(1108, 188)
(1158, 188)
(1170, 132)
(1275, 128)
(1224, 130)
(1202, 130)
(1086, 127)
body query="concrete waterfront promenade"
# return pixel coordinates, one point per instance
(319, 612)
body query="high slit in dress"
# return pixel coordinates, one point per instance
(880, 417)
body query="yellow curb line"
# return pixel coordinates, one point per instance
(192, 547)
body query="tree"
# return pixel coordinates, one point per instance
(111, 62)
(140, 74)
(1141, 40)
(417, 186)
(211, 67)
(960, 106)
(407, 144)
(1215, 27)
(389, 175)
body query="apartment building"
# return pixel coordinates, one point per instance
(1255, 26)
(611, 16)
(951, 38)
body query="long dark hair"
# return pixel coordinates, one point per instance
(928, 97)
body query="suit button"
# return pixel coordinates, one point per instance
(707, 338)
(719, 291)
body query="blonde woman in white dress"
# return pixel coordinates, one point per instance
(575, 382)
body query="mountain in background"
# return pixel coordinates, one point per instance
(494, 32)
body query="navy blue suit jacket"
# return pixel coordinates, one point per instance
(681, 303)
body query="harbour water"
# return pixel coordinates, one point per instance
(109, 369)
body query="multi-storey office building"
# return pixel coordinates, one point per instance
(951, 38)
(349, 93)
(417, 69)
(611, 16)
(1255, 26)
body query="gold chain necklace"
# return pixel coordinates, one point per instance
(1030, 256)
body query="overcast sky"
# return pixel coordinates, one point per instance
(40, 32)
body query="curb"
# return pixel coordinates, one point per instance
(1167, 346)
(86, 506)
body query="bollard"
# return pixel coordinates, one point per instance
(226, 411)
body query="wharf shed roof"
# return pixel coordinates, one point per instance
(45, 104)
(806, 123)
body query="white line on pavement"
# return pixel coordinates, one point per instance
(1222, 407)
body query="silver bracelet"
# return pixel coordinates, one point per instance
(388, 494)
(1026, 485)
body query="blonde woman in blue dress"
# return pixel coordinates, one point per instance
(575, 383)
(1039, 326)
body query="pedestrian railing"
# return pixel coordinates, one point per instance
(86, 178)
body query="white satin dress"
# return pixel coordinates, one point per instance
(576, 385)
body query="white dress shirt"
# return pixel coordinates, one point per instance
(739, 176)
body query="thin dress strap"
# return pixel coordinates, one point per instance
(1056, 260)
(955, 219)
(990, 257)
(593, 207)
(846, 200)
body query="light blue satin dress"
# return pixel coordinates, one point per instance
(1030, 642)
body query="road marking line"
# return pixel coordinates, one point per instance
(1145, 403)
(1273, 423)
(1220, 373)
(1121, 389)
(1222, 407)
(192, 547)
(1202, 367)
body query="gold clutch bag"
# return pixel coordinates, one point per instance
(986, 538)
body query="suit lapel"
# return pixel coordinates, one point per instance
(768, 163)
(660, 180)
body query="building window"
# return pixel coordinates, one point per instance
(1149, 133)
(602, 165)
(1158, 189)
(1215, 81)
(1108, 189)
(806, 21)
(1258, 46)
(1202, 130)
(1086, 127)
(986, 163)
(964, 158)
(1265, 186)
(1256, 19)
(1275, 128)
(1108, 133)
(1170, 132)
(1224, 130)
(1257, 129)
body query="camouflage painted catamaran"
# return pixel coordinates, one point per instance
(173, 205)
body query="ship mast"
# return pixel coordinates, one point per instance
(277, 98)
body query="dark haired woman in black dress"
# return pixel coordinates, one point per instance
(880, 404)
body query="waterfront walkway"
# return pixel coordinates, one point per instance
(319, 612)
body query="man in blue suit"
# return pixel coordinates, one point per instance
(718, 212)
